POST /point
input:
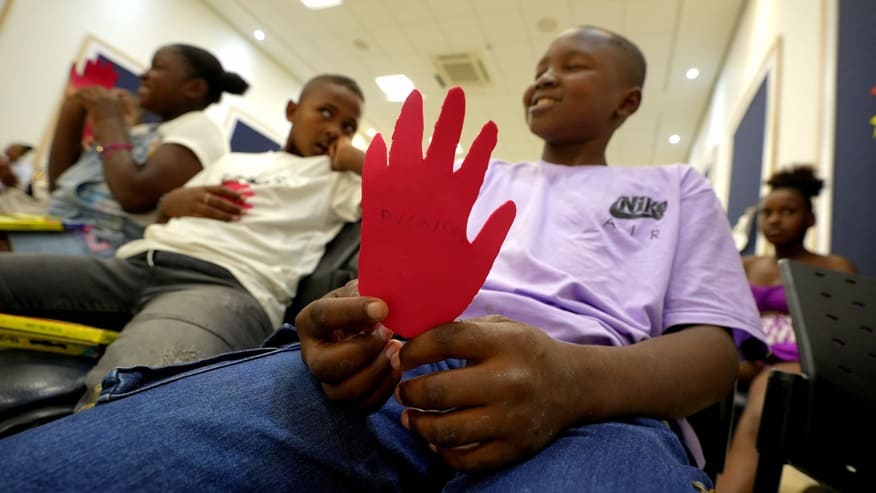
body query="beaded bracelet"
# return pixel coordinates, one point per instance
(106, 150)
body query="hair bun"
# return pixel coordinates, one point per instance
(801, 177)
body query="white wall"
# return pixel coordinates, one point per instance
(791, 39)
(41, 38)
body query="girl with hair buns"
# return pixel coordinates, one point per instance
(113, 187)
(784, 217)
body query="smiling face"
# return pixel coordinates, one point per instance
(326, 111)
(785, 216)
(581, 91)
(167, 88)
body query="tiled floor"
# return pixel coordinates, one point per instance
(794, 481)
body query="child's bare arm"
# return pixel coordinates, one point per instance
(345, 157)
(66, 147)
(671, 376)
(521, 387)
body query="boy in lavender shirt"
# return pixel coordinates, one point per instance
(567, 389)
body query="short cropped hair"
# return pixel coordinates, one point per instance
(340, 80)
(634, 62)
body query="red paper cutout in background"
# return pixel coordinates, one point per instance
(95, 73)
(243, 189)
(415, 254)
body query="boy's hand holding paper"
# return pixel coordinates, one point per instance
(415, 254)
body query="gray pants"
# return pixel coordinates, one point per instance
(170, 307)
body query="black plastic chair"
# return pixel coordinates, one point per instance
(38, 387)
(713, 426)
(823, 422)
(338, 266)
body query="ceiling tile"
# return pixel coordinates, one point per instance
(391, 40)
(462, 33)
(443, 8)
(426, 37)
(493, 6)
(608, 14)
(371, 13)
(503, 27)
(406, 11)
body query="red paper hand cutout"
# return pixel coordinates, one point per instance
(96, 73)
(415, 254)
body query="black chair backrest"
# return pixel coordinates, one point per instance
(834, 317)
(824, 421)
(713, 426)
(338, 265)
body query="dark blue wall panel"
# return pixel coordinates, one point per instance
(244, 138)
(854, 218)
(745, 177)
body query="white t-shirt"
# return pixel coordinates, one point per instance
(298, 206)
(195, 131)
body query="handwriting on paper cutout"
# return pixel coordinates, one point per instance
(416, 221)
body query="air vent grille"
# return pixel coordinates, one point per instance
(461, 69)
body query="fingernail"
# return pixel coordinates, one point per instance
(433, 447)
(390, 351)
(385, 334)
(374, 311)
(405, 421)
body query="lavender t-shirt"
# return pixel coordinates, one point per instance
(611, 255)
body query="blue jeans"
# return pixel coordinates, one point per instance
(256, 420)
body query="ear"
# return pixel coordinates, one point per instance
(291, 106)
(629, 102)
(195, 89)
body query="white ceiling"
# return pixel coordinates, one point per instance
(368, 38)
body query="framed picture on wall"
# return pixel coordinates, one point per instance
(5, 5)
(128, 68)
(247, 134)
(96, 49)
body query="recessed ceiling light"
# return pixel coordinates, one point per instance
(674, 139)
(259, 34)
(321, 4)
(396, 87)
(370, 132)
(692, 73)
(459, 149)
